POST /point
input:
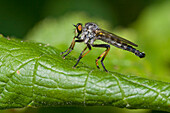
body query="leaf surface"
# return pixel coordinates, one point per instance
(34, 74)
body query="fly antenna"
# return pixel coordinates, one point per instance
(74, 25)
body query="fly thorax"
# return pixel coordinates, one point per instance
(90, 29)
(84, 34)
(88, 32)
(86, 40)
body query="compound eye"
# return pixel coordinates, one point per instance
(79, 27)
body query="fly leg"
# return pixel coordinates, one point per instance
(103, 55)
(72, 43)
(71, 47)
(83, 54)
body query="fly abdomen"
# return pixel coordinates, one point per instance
(133, 50)
(118, 43)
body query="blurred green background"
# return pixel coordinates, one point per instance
(144, 22)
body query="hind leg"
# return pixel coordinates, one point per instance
(103, 55)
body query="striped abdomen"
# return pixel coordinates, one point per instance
(123, 46)
(131, 49)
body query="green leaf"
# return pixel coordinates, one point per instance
(34, 74)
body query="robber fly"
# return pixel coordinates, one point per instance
(90, 33)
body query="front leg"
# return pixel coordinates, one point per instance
(71, 47)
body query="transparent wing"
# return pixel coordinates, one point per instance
(115, 37)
